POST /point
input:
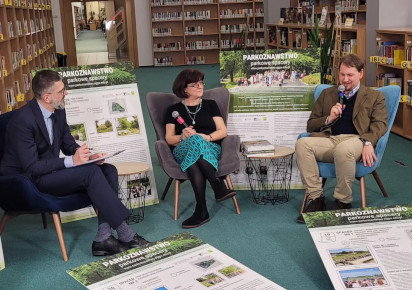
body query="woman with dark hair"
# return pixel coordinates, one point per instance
(197, 147)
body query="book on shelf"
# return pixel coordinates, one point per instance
(257, 146)
(323, 17)
(338, 13)
(409, 88)
(409, 53)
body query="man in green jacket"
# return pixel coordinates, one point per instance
(344, 129)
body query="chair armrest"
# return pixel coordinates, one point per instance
(229, 162)
(167, 161)
(17, 193)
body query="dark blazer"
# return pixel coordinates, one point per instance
(370, 116)
(27, 146)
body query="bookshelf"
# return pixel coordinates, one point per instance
(26, 44)
(298, 20)
(395, 45)
(187, 32)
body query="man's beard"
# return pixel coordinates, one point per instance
(58, 105)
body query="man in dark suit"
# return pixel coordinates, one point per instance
(34, 137)
(343, 131)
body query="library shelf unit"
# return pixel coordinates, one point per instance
(296, 35)
(26, 44)
(401, 39)
(187, 32)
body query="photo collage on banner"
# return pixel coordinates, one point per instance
(365, 248)
(271, 97)
(182, 261)
(103, 110)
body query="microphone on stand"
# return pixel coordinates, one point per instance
(179, 119)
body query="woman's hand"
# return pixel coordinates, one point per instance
(187, 132)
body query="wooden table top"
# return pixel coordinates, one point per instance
(129, 168)
(280, 152)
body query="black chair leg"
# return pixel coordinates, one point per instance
(169, 182)
(43, 218)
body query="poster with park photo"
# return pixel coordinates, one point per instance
(367, 248)
(182, 261)
(271, 97)
(103, 110)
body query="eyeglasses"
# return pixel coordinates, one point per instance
(61, 92)
(196, 85)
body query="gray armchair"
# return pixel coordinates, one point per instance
(157, 104)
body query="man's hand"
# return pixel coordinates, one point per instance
(82, 155)
(335, 112)
(368, 156)
(98, 155)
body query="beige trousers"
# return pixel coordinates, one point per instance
(342, 150)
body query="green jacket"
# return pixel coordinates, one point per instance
(369, 114)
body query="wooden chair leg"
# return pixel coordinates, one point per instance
(363, 191)
(59, 231)
(379, 182)
(230, 186)
(305, 199)
(3, 222)
(177, 193)
(166, 190)
(43, 218)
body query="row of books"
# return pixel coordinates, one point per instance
(298, 15)
(27, 3)
(166, 2)
(393, 51)
(194, 30)
(164, 16)
(202, 44)
(409, 88)
(195, 59)
(232, 13)
(161, 31)
(238, 42)
(349, 46)
(386, 79)
(167, 46)
(409, 53)
(189, 15)
(163, 61)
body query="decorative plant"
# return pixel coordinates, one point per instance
(326, 45)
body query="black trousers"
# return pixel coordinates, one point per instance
(99, 182)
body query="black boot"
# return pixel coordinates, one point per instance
(199, 217)
(317, 204)
(221, 191)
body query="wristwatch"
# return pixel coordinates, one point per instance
(365, 142)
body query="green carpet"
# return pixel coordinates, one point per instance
(91, 41)
(265, 238)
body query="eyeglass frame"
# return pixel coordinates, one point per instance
(61, 92)
(197, 84)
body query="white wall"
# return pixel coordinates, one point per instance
(144, 32)
(272, 9)
(394, 13)
(57, 25)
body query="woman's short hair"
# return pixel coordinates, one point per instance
(185, 77)
(43, 81)
(352, 60)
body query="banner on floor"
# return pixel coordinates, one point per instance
(179, 262)
(271, 97)
(103, 110)
(369, 247)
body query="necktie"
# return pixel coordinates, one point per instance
(50, 127)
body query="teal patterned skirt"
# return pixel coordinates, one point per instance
(190, 150)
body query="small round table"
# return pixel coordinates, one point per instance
(269, 175)
(133, 187)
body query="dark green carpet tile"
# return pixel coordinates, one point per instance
(265, 238)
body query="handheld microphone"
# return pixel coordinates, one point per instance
(176, 115)
(341, 90)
